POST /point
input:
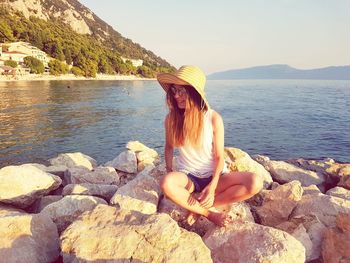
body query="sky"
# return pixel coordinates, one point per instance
(231, 34)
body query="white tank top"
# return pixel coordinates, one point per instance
(199, 161)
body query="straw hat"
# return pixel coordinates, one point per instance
(185, 75)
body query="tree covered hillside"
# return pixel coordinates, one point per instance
(89, 53)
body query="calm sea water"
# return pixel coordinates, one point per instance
(279, 118)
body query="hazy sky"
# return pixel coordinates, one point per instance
(230, 34)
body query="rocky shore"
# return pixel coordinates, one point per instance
(35, 77)
(75, 210)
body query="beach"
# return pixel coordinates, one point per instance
(35, 77)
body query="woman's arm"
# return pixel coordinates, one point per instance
(169, 149)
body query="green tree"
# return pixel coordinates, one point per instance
(11, 63)
(145, 72)
(57, 67)
(35, 65)
(77, 71)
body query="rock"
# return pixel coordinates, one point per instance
(274, 185)
(141, 194)
(262, 159)
(60, 170)
(125, 162)
(71, 160)
(339, 192)
(345, 181)
(240, 161)
(39, 204)
(28, 238)
(309, 231)
(129, 236)
(22, 185)
(6, 210)
(66, 210)
(279, 203)
(284, 172)
(100, 175)
(336, 244)
(325, 207)
(100, 190)
(250, 242)
(311, 189)
(136, 147)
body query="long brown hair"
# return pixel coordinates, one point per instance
(185, 125)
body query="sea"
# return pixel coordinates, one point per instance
(282, 119)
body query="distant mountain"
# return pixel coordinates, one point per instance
(67, 26)
(284, 72)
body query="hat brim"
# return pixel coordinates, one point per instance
(166, 80)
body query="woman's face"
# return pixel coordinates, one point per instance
(180, 94)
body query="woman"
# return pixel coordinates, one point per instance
(198, 133)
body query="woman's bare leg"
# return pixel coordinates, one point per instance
(236, 186)
(178, 187)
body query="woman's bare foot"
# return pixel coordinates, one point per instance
(192, 218)
(219, 218)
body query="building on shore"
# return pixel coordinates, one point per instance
(135, 62)
(17, 51)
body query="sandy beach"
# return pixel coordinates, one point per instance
(36, 77)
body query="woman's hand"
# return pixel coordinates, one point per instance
(206, 197)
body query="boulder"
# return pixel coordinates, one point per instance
(336, 243)
(100, 190)
(6, 210)
(22, 185)
(240, 161)
(71, 160)
(28, 238)
(309, 231)
(311, 189)
(250, 242)
(100, 175)
(108, 234)
(284, 172)
(44, 201)
(339, 192)
(66, 210)
(145, 155)
(125, 162)
(140, 194)
(279, 203)
(325, 207)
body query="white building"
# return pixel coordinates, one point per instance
(18, 50)
(135, 62)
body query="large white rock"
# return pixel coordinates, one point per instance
(22, 185)
(249, 242)
(100, 190)
(100, 175)
(339, 192)
(67, 209)
(284, 172)
(136, 147)
(140, 194)
(325, 207)
(240, 161)
(279, 203)
(309, 231)
(27, 238)
(125, 162)
(71, 160)
(109, 234)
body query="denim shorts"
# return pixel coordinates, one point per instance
(199, 183)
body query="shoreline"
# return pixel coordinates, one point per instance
(41, 77)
